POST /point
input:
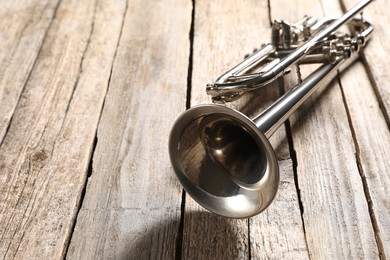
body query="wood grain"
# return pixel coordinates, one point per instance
(45, 155)
(372, 141)
(23, 27)
(131, 208)
(331, 189)
(278, 232)
(332, 193)
(368, 99)
(224, 33)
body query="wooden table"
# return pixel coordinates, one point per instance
(89, 91)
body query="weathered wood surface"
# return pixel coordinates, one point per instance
(46, 152)
(23, 27)
(132, 204)
(369, 110)
(89, 91)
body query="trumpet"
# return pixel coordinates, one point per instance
(222, 158)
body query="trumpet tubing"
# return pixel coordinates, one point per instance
(222, 158)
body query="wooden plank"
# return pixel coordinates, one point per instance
(224, 32)
(369, 108)
(328, 177)
(45, 155)
(278, 232)
(372, 139)
(23, 26)
(331, 189)
(376, 63)
(132, 205)
(209, 236)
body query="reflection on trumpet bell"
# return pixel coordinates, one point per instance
(234, 149)
(222, 158)
(227, 193)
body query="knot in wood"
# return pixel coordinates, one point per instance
(38, 156)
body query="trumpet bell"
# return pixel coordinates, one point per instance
(203, 149)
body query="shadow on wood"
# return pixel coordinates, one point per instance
(200, 240)
(147, 245)
(209, 236)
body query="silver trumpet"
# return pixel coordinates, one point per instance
(222, 158)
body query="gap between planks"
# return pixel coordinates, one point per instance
(374, 221)
(179, 238)
(94, 144)
(3, 132)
